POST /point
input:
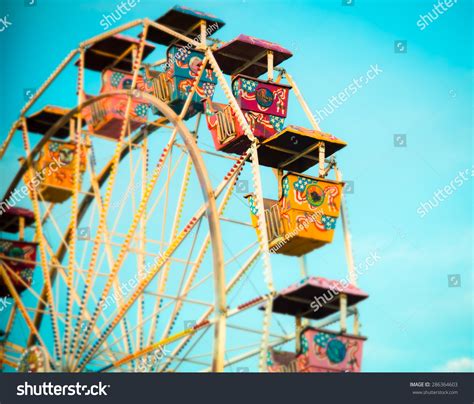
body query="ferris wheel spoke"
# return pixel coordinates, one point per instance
(243, 356)
(185, 357)
(150, 348)
(174, 231)
(228, 350)
(178, 301)
(58, 265)
(125, 245)
(163, 308)
(13, 275)
(189, 331)
(106, 242)
(142, 245)
(254, 331)
(254, 352)
(132, 343)
(137, 60)
(21, 307)
(121, 206)
(14, 347)
(43, 258)
(150, 276)
(76, 134)
(110, 258)
(99, 234)
(11, 319)
(160, 195)
(102, 177)
(141, 324)
(245, 250)
(80, 276)
(85, 245)
(240, 273)
(164, 272)
(199, 260)
(75, 296)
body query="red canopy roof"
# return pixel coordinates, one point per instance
(9, 218)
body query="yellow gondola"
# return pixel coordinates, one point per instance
(304, 218)
(53, 171)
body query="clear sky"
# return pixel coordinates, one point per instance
(409, 134)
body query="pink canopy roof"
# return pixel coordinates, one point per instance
(315, 297)
(247, 55)
(327, 284)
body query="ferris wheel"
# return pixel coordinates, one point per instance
(137, 235)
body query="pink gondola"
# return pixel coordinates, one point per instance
(319, 349)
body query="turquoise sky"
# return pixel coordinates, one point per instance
(413, 319)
